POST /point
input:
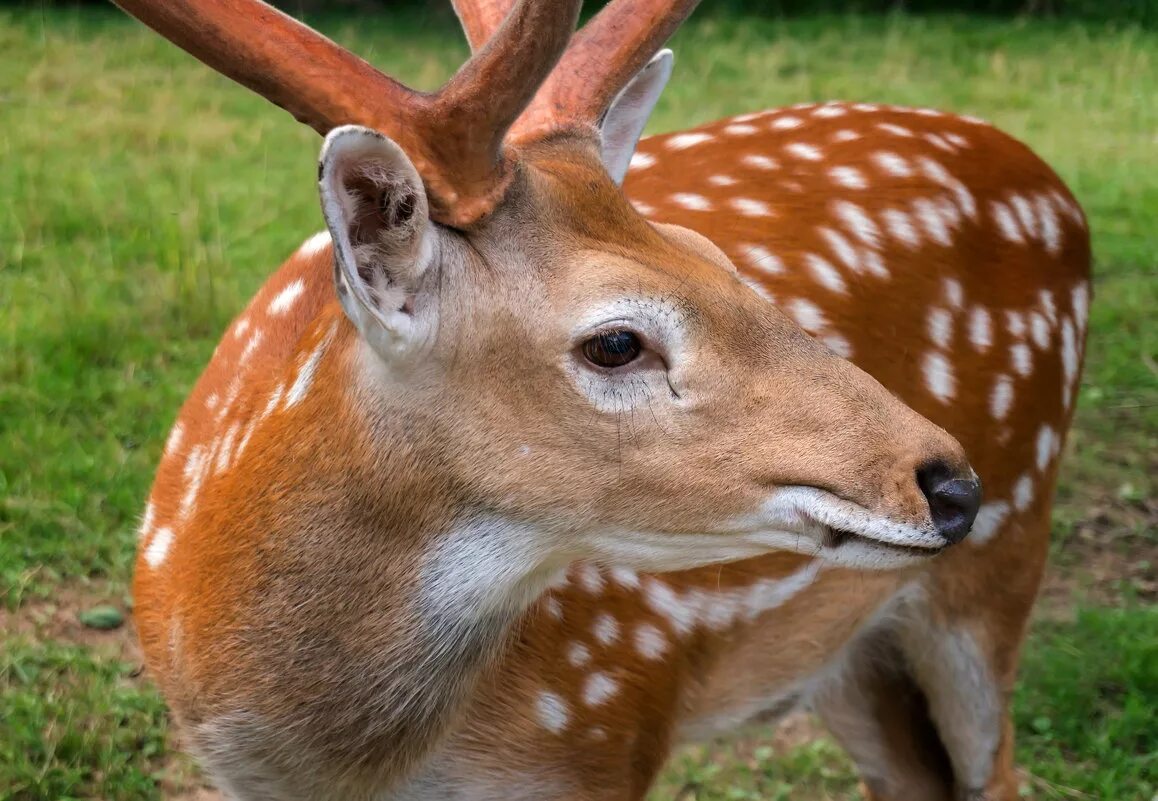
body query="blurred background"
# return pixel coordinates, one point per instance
(143, 198)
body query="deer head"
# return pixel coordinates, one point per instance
(609, 382)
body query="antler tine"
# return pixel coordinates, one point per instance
(454, 136)
(601, 59)
(480, 19)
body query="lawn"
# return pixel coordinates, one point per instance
(143, 199)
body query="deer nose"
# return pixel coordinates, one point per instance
(953, 499)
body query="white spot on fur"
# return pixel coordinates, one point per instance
(900, 225)
(1001, 398)
(954, 292)
(641, 161)
(599, 688)
(940, 326)
(643, 208)
(146, 521)
(625, 577)
(722, 180)
(1023, 492)
(842, 249)
(895, 130)
(848, 177)
(606, 629)
(931, 220)
(194, 475)
(825, 273)
(554, 608)
(934, 171)
(760, 162)
(845, 136)
(866, 107)
(838, 344)
(1039, 329)
(553, 712)
(750, 207)
(1080, 298)
(1051, 230)
(874, 263)
(589, 578)
(1024, 210)
(274, 400)
(240, 327)
(804, 151)
(1021, 358)
(250, 347)
(981, 328)
(224, 452)
(829, 111)
(691, 201)
(1069, 354)
(685, 140)
(807, 315)
(211, 401)
(786, 123)
(1015, 322)
(740, 129)
(957, 139)
(858, 222)
(892, 164)
(305, 378)
(662, 600)
(650, 642)
(1046, 446)
(1047, 303)
(315, 244)
(762, 259)
(939, 377)
(990, 517)
(938, 142)
(578, 654)
(285, 299)
(174, 440)
(1005, 222)
(159, 548)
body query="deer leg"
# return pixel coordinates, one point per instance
(966, 677)
(880, 717)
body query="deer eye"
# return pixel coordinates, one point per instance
(612, 348)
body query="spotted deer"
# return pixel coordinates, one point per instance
(506, 484)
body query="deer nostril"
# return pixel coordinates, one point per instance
(953, 499)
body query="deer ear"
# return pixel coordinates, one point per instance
(625, 118)
(376, 209)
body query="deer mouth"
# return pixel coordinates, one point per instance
(837, 538)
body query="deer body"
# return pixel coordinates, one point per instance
(421, 532)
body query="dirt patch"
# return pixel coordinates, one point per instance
(1110, 553)
(58, 618)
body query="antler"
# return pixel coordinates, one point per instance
(454, 136)
(601, 59)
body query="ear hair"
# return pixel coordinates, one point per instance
(627, 115)
(377, 212)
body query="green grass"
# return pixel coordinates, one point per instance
(144, 198)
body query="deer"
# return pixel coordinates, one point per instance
(561, 446)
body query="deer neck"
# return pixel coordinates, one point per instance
(393, 590)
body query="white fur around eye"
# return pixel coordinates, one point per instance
(643, 382)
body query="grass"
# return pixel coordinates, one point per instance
(144, 198)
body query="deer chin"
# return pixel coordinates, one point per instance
(840, 532)
(795, 519)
